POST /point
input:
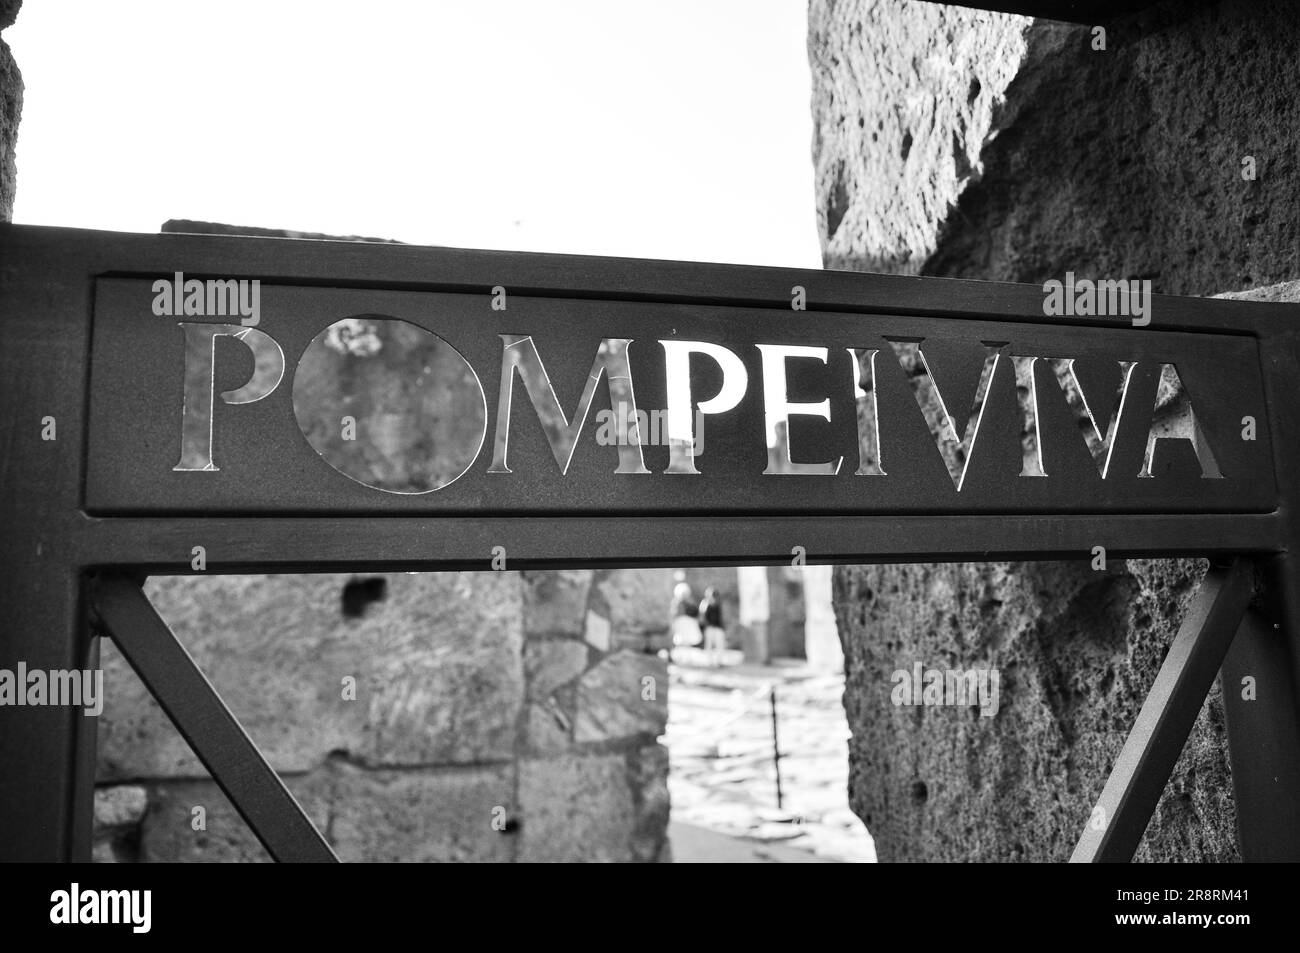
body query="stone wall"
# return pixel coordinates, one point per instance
(497, 716)
(964, 143)
(11, 107)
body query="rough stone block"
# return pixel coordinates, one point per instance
(555, 603)
(577, 808)
(550, 663)
(548, 729)
(624, 694)
(448, 671)
(637, 603)
(439, 815)
(119, 806)
(423, 815)
(437, 662)
(118, 811)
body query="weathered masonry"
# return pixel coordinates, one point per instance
(200, 431)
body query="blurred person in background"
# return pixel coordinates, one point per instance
(685, 622)
(715, 637)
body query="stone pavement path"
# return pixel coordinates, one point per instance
(699, 845)
(721, 777)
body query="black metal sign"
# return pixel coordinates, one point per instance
(370, 400)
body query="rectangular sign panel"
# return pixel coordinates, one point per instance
(234, 397)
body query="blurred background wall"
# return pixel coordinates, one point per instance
(490, 716)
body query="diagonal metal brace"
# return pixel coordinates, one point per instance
(203, 719)
(1143, 767)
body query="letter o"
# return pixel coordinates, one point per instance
(420, 410)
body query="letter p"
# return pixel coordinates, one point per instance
(200, 382)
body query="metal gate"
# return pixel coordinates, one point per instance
(89, 515)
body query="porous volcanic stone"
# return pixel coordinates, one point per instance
(959, 143)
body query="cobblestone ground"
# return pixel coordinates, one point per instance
(722, 778)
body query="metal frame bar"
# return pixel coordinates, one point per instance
(241, 771)
(1263, 738)
(397, 543)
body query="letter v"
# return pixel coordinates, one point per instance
(1100, 447)
(956, 452)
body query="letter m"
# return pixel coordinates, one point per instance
(519, 353)
(65, 687)
(115, 906)
(1112, 297)
(223, 297)
(962, 687)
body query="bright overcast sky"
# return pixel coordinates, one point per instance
(675, 129)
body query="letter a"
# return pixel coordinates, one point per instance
(1175, 419)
